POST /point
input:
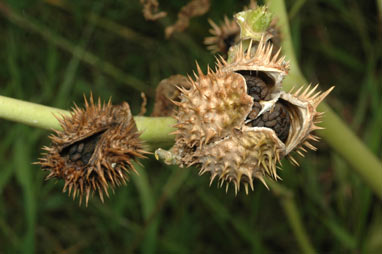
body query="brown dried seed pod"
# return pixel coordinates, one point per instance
(168, 91)
(236, 123)
(95, 149)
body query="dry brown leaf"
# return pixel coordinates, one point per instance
(167, 92)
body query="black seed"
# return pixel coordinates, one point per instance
(72, 149)
(255, 97)
(274, 115)
(256, 86)
(270, 123)
(80, 147)
(253, 114)
(86, 157)
(264, 92)
(75, 156)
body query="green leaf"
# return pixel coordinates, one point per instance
(253, 23)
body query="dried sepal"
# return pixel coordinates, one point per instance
(95, 149)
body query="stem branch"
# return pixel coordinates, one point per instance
(154, 129)
(292, 213)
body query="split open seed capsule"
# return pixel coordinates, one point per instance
(237, 123)
(95, 149)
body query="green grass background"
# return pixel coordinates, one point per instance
(53, 55)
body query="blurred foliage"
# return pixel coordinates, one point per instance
(67, 48)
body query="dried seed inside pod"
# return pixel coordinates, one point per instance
(277, 119)
(259, 87)
(80, 152)
(95, 149)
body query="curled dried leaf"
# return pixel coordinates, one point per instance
(192, 9)
(167, 92)
(150, 10)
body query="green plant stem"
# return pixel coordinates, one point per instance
(292, 213)
(336, 132)
(30, 113)
(154, 129)
(147, 202)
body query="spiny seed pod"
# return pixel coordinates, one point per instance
(237, 124)
(223, 36)
(167, 92)
(95, 149)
